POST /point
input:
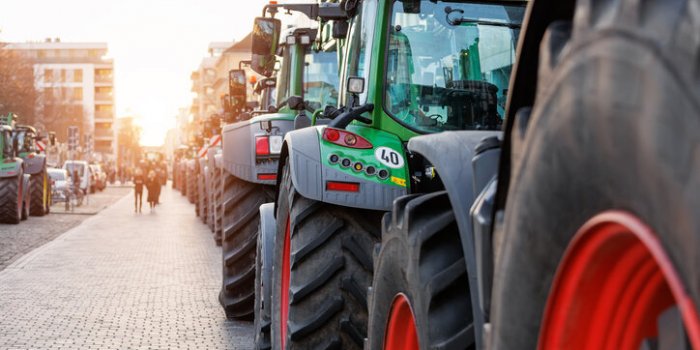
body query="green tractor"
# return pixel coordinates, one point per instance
(408, 68)
(307, 78)
(36, 166)
(14, 183)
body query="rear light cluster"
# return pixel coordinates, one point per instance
(370, 170)
(345, 138)
(267, 145)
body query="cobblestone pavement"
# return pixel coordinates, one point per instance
(17, 240)
(121, 280)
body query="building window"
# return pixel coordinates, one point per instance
(78, 75)
(63, 75)
(78, 93)
(48, 75)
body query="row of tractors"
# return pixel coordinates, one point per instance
(25, 186)
(461, 175)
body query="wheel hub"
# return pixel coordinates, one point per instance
(401, 333)
(613, 284)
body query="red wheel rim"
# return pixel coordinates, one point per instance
(401, 331)
(613, 283)
(284, 292)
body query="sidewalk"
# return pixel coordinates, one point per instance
(121, 280)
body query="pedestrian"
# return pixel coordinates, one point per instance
(153, 186)
(138, 190)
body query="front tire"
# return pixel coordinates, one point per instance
(613, 129)
(323, 263)
(242, 201)
(39, 191)
(11, 201)
(421, 263)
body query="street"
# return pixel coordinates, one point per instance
(121, 280)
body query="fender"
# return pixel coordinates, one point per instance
(309, 174)
(464, 173)
(11, 169)
(35, 164)
(238, 140)
(266, 247)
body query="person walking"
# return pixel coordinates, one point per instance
(138, 190)
(153, 186)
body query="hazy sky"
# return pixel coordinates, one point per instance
(155, 44)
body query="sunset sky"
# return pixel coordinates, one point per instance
(155, 44)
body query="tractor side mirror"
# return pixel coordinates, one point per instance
(237, 89)
(266, 33)
(296, 103)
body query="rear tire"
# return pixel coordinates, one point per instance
(421, 259)
(39, 186)
(242, 201)
(614, 127)
(262, 303)
(330, 262)
(11, 203)
(218, 205)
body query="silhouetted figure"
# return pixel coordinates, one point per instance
(153, 186)
(138, 190)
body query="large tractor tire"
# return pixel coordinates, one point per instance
(601, 241)
(261, 323)
(218, 205)
(321, 272)
(242, 201)
(203, 202)
(40, 194)
(11, 200)
(420, 292)
(191, 184)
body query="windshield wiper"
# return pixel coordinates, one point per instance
(457, 21)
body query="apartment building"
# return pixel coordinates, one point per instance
(76, 84)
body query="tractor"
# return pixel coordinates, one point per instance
(408, 68)
(34, 165)
(307, 78)
(576, 227)
(14, 183)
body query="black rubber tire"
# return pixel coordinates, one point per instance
(421, 257)
(218, 206)
(36, 192)
(26, 199)
(331, 269)
(242, 201)
(203, 205)
(615, 126)
(211, 205)
(191, 184)
(261, 321)
(10, 202)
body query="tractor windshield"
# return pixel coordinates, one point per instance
(6, 139)
(321, 78)
(449, 63)
(24, 141)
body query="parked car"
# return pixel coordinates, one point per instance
(84, 173)
(100, 177)
(61, 184)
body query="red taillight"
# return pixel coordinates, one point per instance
(345, 138)
(267, 176)
(342, 186)
(262, 145)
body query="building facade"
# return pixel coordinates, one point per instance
(76, 86)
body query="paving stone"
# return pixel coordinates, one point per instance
(121, 280)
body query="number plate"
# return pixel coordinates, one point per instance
(275, 144)
(389, 157)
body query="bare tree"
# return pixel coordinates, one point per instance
(17, 86)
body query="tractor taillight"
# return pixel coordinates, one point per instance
(342, 186)
(345, 138)
(262, 146)
(267, 176)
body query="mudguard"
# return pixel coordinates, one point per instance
(11, 169)
(266, 246)
(464, 173)
(309, 175)
(238, 140)
(34, 165)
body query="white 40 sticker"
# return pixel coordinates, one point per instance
(389, 157)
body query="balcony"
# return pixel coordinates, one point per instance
(104, 97)
(104, 134)
(104, 79)
(104, 116)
